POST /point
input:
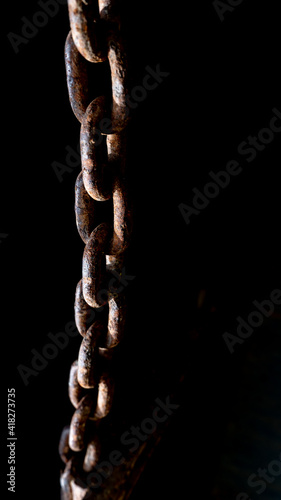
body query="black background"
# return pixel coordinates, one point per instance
(224, 82)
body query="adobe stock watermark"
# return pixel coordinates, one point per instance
(48, 9)
(260, 479)
(222, 7)
(220, 180)
(57, 342)
(255, 319)
(72, 161)
(131, 439)
(151, 80)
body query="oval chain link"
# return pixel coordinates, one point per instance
(87, 30)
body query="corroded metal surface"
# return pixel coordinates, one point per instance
(84, 210)
(77, 78)
(95, 37)
(83, 16)
(94, 267)
(93, 154)
(82, 311)
(78, 423)
(87, 373)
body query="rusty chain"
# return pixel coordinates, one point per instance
(95, 38)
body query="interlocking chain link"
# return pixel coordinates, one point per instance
(95, 37)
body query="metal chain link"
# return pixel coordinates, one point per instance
(95, 37)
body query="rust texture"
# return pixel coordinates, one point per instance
(84, 210)
(64, 448)
(90, 43)
(119, 77)
(67, 479)
(105, 396)
(78, 423)
(94, 267)
(75, 391)
(116, 320)
(92, 454)
(93, 153)
(77, 78)
(116, 313)
(87, 373)
(122, 221)
(82, 311)
(95, 37)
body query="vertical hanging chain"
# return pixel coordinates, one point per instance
(94, 38)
